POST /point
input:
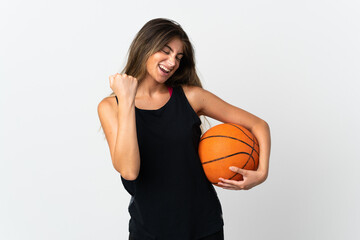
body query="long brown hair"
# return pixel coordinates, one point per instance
(151, 38)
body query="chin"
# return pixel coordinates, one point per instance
(163, 80)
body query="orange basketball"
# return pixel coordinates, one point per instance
(226, 145)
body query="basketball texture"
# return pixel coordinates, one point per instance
(226, 145)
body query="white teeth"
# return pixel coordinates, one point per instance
(167, 70)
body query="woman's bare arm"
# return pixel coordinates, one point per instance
(119, 126)
(212, 106)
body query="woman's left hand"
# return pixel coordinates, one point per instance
(250, 179)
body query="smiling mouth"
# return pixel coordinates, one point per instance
(164, 69)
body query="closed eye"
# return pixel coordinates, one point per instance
(167, 53)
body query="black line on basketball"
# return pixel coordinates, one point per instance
(233, 176)
(218, 159)
(252, 153)
(214, 136)
(240, 130)
(228, 178)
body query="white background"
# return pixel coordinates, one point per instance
(294, 64)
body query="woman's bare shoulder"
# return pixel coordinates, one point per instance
(193, 91)
(193, 94)
(108, 104)
(190, 89)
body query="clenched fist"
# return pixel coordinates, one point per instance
(124, 86)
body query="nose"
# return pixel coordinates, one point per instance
(171, 61)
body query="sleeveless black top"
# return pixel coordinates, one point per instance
(171, 197)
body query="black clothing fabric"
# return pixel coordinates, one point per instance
(171, 199)
(215, 236)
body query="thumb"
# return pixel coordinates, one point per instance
(238, 170)
(111, 79)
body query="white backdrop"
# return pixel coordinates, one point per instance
(294, 64)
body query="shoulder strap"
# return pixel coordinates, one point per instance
(170, 90)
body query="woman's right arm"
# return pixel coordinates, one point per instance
(119, 126)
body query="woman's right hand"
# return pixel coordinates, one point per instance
(123, 85)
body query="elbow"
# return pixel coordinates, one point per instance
(264, 122)
(261, 123)
(129, 170)
(130, 176)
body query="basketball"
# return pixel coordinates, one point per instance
(226, 145)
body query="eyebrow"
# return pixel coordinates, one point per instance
(173, 50)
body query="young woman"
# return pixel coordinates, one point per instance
(152, 125)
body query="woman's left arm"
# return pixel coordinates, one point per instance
(212, 106)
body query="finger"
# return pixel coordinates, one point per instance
(111, 78)
(232, 187)
(228, 187)
(238, 170)
(232, 182)
(224, 184)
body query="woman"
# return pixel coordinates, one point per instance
(151, 123)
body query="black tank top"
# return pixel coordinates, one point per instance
(171, 199)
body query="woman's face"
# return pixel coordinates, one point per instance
(162, 64)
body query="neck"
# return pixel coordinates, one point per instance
(149, 87)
